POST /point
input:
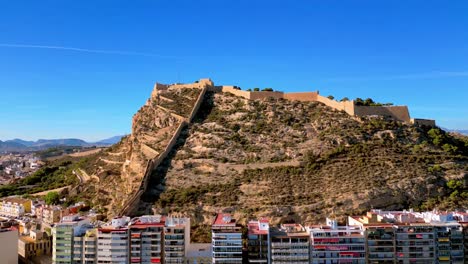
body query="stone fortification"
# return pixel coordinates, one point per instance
(347, 106)
(304, 97)
(399, 113)
(131, 206)
(423, 122)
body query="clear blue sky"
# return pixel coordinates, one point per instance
(83, 68)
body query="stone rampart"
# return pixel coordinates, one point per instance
(399, 113)
(260, 95)
(158, 87)
(197, 104)
(304, 97)
(347, 106)
(423, 122)
(132, 203)
(233, 90)
(200, 84)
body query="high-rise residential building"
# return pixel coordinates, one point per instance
(380, 237)
(85, 247)
(226, 239)
(289, 244)
(63, 238)
(176, 239)
(258, 244)
(146, 236)
(331, 243)
(113, 242)
(412, 237)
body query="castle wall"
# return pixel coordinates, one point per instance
(305, 97)
(197, 104)
(234, 91)
(158, 87)
(423, 122)
(347, 106)
(265, 94)
(200, 84)
(132, 203)
(399, 113)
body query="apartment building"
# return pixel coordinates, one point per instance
(258, 244)
(146, 237)
(379, 237)
(226, 239)
(331, 243)
(9, 245)
(176, 239)
(36, 243)
(51, 214)
(289, 244)
(113, 242)
(63, 234)
(429, 237)
(15, 206)
(85, 247)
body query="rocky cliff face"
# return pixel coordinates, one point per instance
(118, 172)
(286, 160)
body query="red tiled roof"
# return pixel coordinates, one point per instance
(254, 230)
(219, 220)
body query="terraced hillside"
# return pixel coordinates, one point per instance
(196, 151)
(302, 161)
(119, 173)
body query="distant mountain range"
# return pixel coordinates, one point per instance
(41, 144)
(460, 131)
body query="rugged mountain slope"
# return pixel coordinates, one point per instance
(117, 173)
(287, 160)
(301, 160)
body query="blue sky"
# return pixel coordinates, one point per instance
(83, 68)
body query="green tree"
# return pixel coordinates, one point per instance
(344, 99)
(369, 102)
(268, 89)
(331, 97)
(256, 89)
(359, 101)
(52, 198)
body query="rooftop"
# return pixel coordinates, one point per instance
(224, 220)
(17, 200)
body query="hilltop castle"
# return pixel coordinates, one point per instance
(399, 113)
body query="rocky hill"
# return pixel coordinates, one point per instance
(198, 151)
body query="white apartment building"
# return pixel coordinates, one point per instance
(331, 243)
(85, 247)
(226, 239)
(113, 242)
(289, 244)
(15, 206)
(176, 239)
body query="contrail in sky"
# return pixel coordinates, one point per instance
(117, 52)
